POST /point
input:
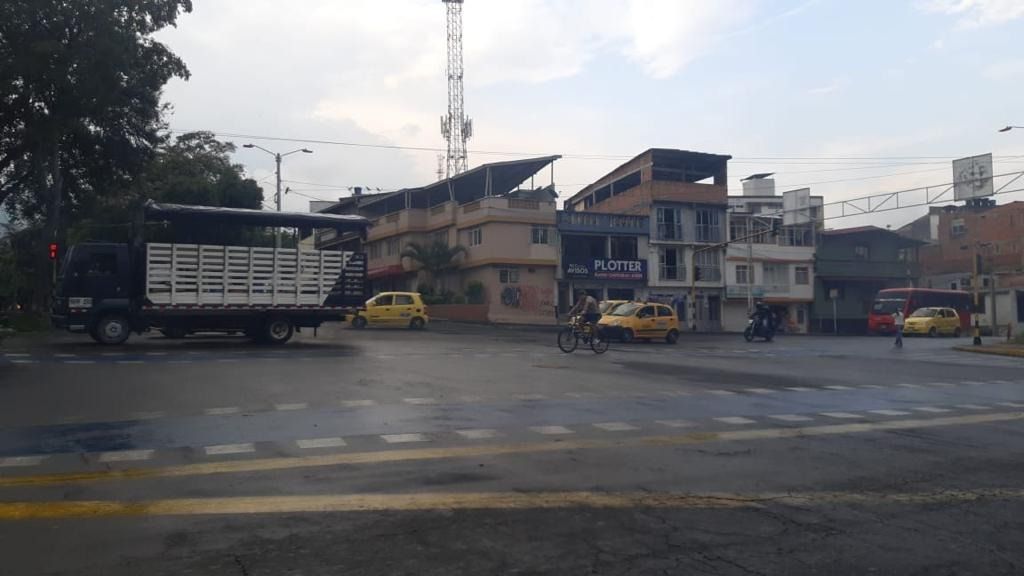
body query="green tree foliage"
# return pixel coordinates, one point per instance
(434, 259)
(80, 110)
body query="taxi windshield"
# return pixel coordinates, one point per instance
(626, 309)
(925, 313)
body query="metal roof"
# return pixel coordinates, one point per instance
(218, 215)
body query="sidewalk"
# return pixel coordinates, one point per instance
(1012, 350)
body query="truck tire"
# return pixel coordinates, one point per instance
(111, 329)
(277, 330)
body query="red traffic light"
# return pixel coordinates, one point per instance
(53, 250)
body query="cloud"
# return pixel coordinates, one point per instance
(977, 13)
(836, 85)
(1005, 70)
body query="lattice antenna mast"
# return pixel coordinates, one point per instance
(455, 127)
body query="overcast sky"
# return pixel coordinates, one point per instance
(783, 86)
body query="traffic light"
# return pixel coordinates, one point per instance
(696, 273)
(53, 250)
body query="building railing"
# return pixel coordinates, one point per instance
(439, 209)
(523, 204)
(471, 207)
(670, 231)
(608, 223)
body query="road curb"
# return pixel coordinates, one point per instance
(993, 350)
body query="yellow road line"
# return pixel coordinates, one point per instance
(476, 501)
(421, 454)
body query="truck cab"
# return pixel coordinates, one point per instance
(95, 281)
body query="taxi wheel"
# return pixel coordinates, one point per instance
(672, 337)
(932, 332)
(359, 322)
(627, 335)
(416, 323)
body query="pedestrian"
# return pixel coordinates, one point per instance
(897, 322)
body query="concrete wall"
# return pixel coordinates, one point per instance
(458, 312)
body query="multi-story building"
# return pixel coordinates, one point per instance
(508, 233)
(776, 269)
(851, 266)
(604, 254)
(684, 194)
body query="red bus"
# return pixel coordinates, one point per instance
(910, 299)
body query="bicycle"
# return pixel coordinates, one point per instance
(578, 331)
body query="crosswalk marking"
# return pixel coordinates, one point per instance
(126, 456)
(477, 434)
(973, 407)
(551, 430)
(972, 383)
(799, 389)
(222, 410)
(909, 385)
(845, 415)
(615, 426)
(357, 403)
(889, 412)
(1012, 404)
(790, 417)
(761, 390)
(146, 415)
(940, 384)
(331, 442)
(675, 423)
(292, 406)
(735, 420)
(419, 401)
(722, 392)
(931, 409)
(838, 387)
(530, 396)
(403, 438)
(221, 449)
(19, 461)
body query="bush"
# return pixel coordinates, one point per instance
(475, 292)
(445, 297)
(424, 288)
(458, 299)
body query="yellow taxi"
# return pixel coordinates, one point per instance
(933, 321)
(607, 306)
(640, 320)
(404, 309)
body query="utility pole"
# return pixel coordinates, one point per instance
(455, 126)
(974, 285)
(277, 172)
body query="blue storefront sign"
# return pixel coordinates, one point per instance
(608, 269)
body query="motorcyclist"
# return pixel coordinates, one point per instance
(763, 317)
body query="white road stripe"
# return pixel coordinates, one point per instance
(941, 384)
(156, 353)
(16, 355)
(24, 361)
(403, 438)
(551, 430)
(18, 461)
(675, 423)
(179, 361)
(332, 442)
(790, 417)
(126, 456)
(871, 386)
(470, 398)
(973, 407)
(357, 403)
(736, 420)
(146, 415)
(1011, 404)
(477, 434)
(972, 383)
(722, 392)
(1002, 382)
(909, 385)
(222, 410)
(615, 426)
(219, 449)
(64, 355)
(846, 415)
(530, 396)
(292, 406)
(79, 362)
(675, 393)
(226, 360)
(800, 389)
(889, 412)
(931, 409)
(129, 361)
(838, 387)
(761, 390)
(419, 401)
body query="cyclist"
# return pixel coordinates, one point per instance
(588, 309)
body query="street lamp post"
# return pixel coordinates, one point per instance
(277, 172)
(1008, 128)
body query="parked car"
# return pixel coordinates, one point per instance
(634, 320)
(607, 306)
(404, 309)
(933, 321)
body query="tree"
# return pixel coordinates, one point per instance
(434, 259)
(80, 110)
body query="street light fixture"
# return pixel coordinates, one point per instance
(1008, 128)
(277, 196)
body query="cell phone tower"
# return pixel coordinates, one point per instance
(455, 126)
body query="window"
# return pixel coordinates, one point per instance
(623, 248)
(801, 316)
(508, 275)
(102, 264)
(670, 266)
(403, 300)
(803, 275)
(709, 227)
(476, 236)
(744, 275)
(797, 236)
(861, 252)
(646, 312)
(670, 225)
(710, 266)
(664, 311)
(776, 275)
(738, 227)
(373, 250)
(440, 237)
(957, 227)
(384, 300)
(906, 255)
(539, 235)
(393, 246)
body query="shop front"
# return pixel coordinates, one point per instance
(604, 279)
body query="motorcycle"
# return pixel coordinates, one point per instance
(761, 324)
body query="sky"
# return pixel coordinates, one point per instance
(848, 98)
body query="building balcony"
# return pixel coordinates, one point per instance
(599, 223)
(768, 291)
(501, 208)
(867, 269)
(413, 219)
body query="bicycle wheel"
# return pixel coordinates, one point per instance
(567, 340)
(599, 343)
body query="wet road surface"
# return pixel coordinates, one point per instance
(476, 450)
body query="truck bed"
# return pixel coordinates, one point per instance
(238, 276)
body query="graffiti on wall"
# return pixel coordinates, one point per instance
(529, 299)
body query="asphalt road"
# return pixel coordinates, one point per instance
(473, 450)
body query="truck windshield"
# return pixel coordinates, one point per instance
(888, 306)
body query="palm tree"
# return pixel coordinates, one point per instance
(434, 259)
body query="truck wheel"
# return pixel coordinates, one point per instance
(278, 331)
(111, 329)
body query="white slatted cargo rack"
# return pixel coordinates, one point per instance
(205, 275)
